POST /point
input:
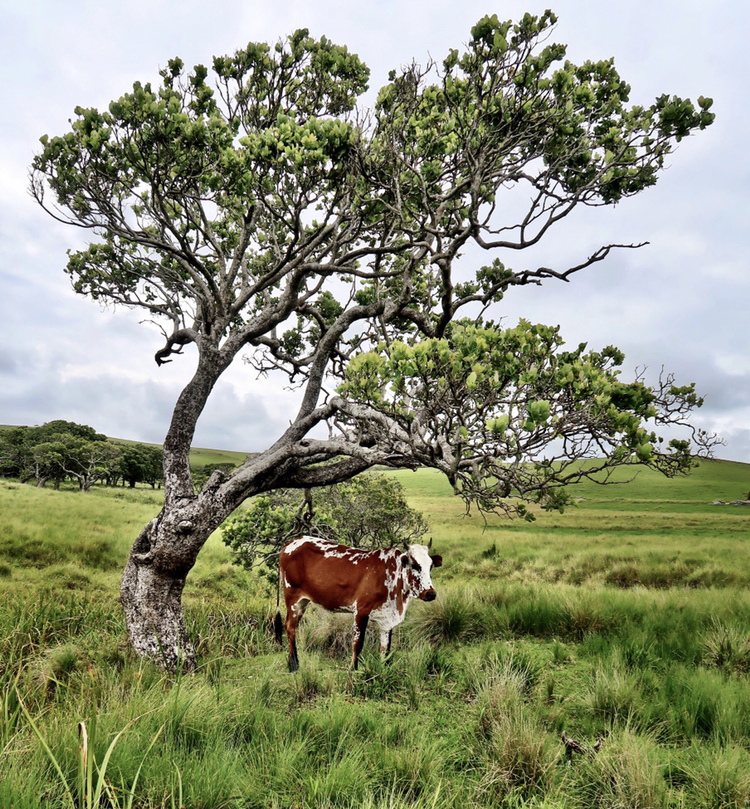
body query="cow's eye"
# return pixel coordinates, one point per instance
(416, 566)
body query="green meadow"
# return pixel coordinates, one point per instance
(623, 623)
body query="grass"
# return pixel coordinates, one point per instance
(652, 532)
(626, 619)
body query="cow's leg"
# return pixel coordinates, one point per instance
(385, 642)
(293, 614)
(360, 627)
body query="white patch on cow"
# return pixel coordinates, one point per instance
(324, 544)
(388, 615)
(299, 607)
(331, 550)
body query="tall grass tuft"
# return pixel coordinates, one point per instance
(628, 771)
(518, 757)
(454, 617)
(720, 778)
(726, 647)
(614, 697)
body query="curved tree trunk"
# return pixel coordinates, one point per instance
(153, 581)
(151, 595)
(166, 549)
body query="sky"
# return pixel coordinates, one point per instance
(679, 304)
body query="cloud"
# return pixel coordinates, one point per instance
(680, 302)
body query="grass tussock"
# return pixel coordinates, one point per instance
(626, 772)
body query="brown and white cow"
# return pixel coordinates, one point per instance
(369, 584)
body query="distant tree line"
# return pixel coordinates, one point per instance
(60, 451)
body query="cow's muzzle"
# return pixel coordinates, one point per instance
(429, 595)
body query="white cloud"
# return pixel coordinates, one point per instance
(681, 302)
(734, 364)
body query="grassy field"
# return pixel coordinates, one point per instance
(624, 622)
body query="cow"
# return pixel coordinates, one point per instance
(369, 584)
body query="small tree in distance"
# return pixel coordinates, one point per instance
(368, 512)
(262, 212)
(140, 463)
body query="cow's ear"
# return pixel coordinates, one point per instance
(405, 560)
(437, 561)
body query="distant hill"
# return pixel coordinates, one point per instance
(201, 457)
(198, 455)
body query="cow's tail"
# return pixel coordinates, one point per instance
(277, 624)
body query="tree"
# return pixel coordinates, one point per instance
(66, 455)
(369, 511)
(14, 452)
(262, 211)
(56, 450)
(140, 463)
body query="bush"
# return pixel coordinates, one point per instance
(369, 511)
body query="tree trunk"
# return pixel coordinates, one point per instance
(160, 560)
(167, 548)
(152, 585)
(152, 602)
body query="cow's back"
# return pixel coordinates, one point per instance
(333, 576)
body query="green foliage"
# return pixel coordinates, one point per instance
(187, 134)
(369, 511)
(60, 450)
(505, 396)
(253, 204)
(140, 463)
(55, 451)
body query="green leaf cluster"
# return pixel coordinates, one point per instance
(369, 511)
(509, 394)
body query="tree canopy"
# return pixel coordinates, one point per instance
(63, 449)
(257, 209)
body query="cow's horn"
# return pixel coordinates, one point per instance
(429, 544)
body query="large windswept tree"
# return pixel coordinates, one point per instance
(260, 212)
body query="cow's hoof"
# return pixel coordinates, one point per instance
(293, 665)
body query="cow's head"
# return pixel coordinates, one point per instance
(417, 564)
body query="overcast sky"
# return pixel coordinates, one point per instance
(680, 303)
